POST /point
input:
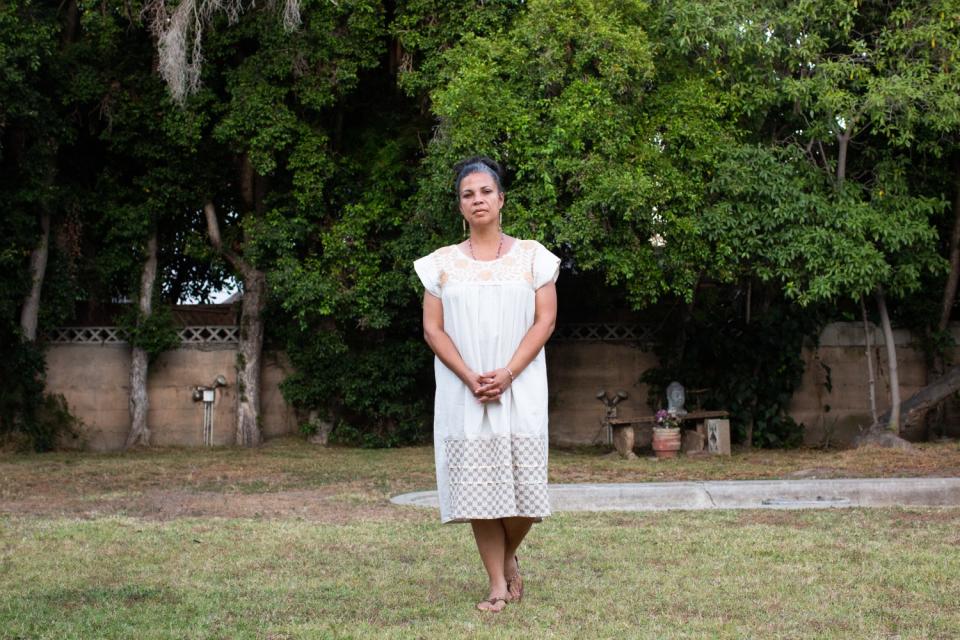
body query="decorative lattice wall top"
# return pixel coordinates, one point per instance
(603, 332)
(573, 332)
(116, 335)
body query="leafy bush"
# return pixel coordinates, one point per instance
(374, 387)
(29, 418)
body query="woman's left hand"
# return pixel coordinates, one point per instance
(495, 383)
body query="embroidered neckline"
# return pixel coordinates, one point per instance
(454, 266)
(460, 252)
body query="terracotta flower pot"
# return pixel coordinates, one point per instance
(666, 442)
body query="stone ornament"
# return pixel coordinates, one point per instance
(676, 396)
(718, 437)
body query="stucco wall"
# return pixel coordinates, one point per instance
(833, 400)
(95, 380)
(577, 370)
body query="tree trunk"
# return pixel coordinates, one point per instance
(38, 258)
(139, 361)
(251, 336)
(248, 358)
(894, 424)
(936, 364)
(38, 268)
(686, 313)
(886, 431)
(913, 409)
(950, 290)
(751, 423)
(870, 371)
(843, 144)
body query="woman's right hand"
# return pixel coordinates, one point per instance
(476, 381)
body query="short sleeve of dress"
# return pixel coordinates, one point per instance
(546, 267)
(429, 274)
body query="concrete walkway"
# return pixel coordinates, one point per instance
(740, 494)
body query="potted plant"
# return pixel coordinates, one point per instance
(666, 434)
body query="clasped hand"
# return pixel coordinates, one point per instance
(489, 386)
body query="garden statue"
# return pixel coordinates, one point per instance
(620, 435)
(675, 399)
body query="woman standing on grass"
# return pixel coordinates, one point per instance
(489, 307)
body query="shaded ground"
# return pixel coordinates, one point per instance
(316, 505)
(288, 478)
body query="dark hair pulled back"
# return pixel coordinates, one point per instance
(479, 164)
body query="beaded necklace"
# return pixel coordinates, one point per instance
(499, 247)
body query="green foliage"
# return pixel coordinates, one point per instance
(551, 85)
(609, 145)
(154, 334)
(29, 418)
(661, 148)
(833, 95)
(426, 29)
(326, 212)
(777, 218)
(374, 388)
(351, 325)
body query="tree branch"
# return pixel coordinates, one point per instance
(213, 231)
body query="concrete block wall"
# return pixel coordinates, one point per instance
(577, 371)
(95, 381)
(833, 400)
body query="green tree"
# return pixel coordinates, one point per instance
(605, 152)
(33, 37)
(270, 101)
(819, 201)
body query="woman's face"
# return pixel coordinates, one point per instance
(480, 200)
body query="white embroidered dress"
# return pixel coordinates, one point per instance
(491, 458)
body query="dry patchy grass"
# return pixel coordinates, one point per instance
(288, 477)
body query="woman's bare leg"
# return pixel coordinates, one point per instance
(491, 543)
(516, 530)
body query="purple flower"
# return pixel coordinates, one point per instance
(667, 420)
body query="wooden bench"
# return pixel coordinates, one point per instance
(622, 429)
(696, 416)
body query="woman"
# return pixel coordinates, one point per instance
(489, 307)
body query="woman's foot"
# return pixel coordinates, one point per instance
(514, 580)
(493, 604)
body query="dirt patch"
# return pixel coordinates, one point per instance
(816, 472)
(329, 505)
(287, 478)
(946, 514)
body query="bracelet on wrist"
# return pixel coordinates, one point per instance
(510, 373)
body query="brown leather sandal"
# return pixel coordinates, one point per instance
(492, 602)
(515, 584)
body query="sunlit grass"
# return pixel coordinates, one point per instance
(809, 574)
(295, 541)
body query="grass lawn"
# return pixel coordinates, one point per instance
(293, 541)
